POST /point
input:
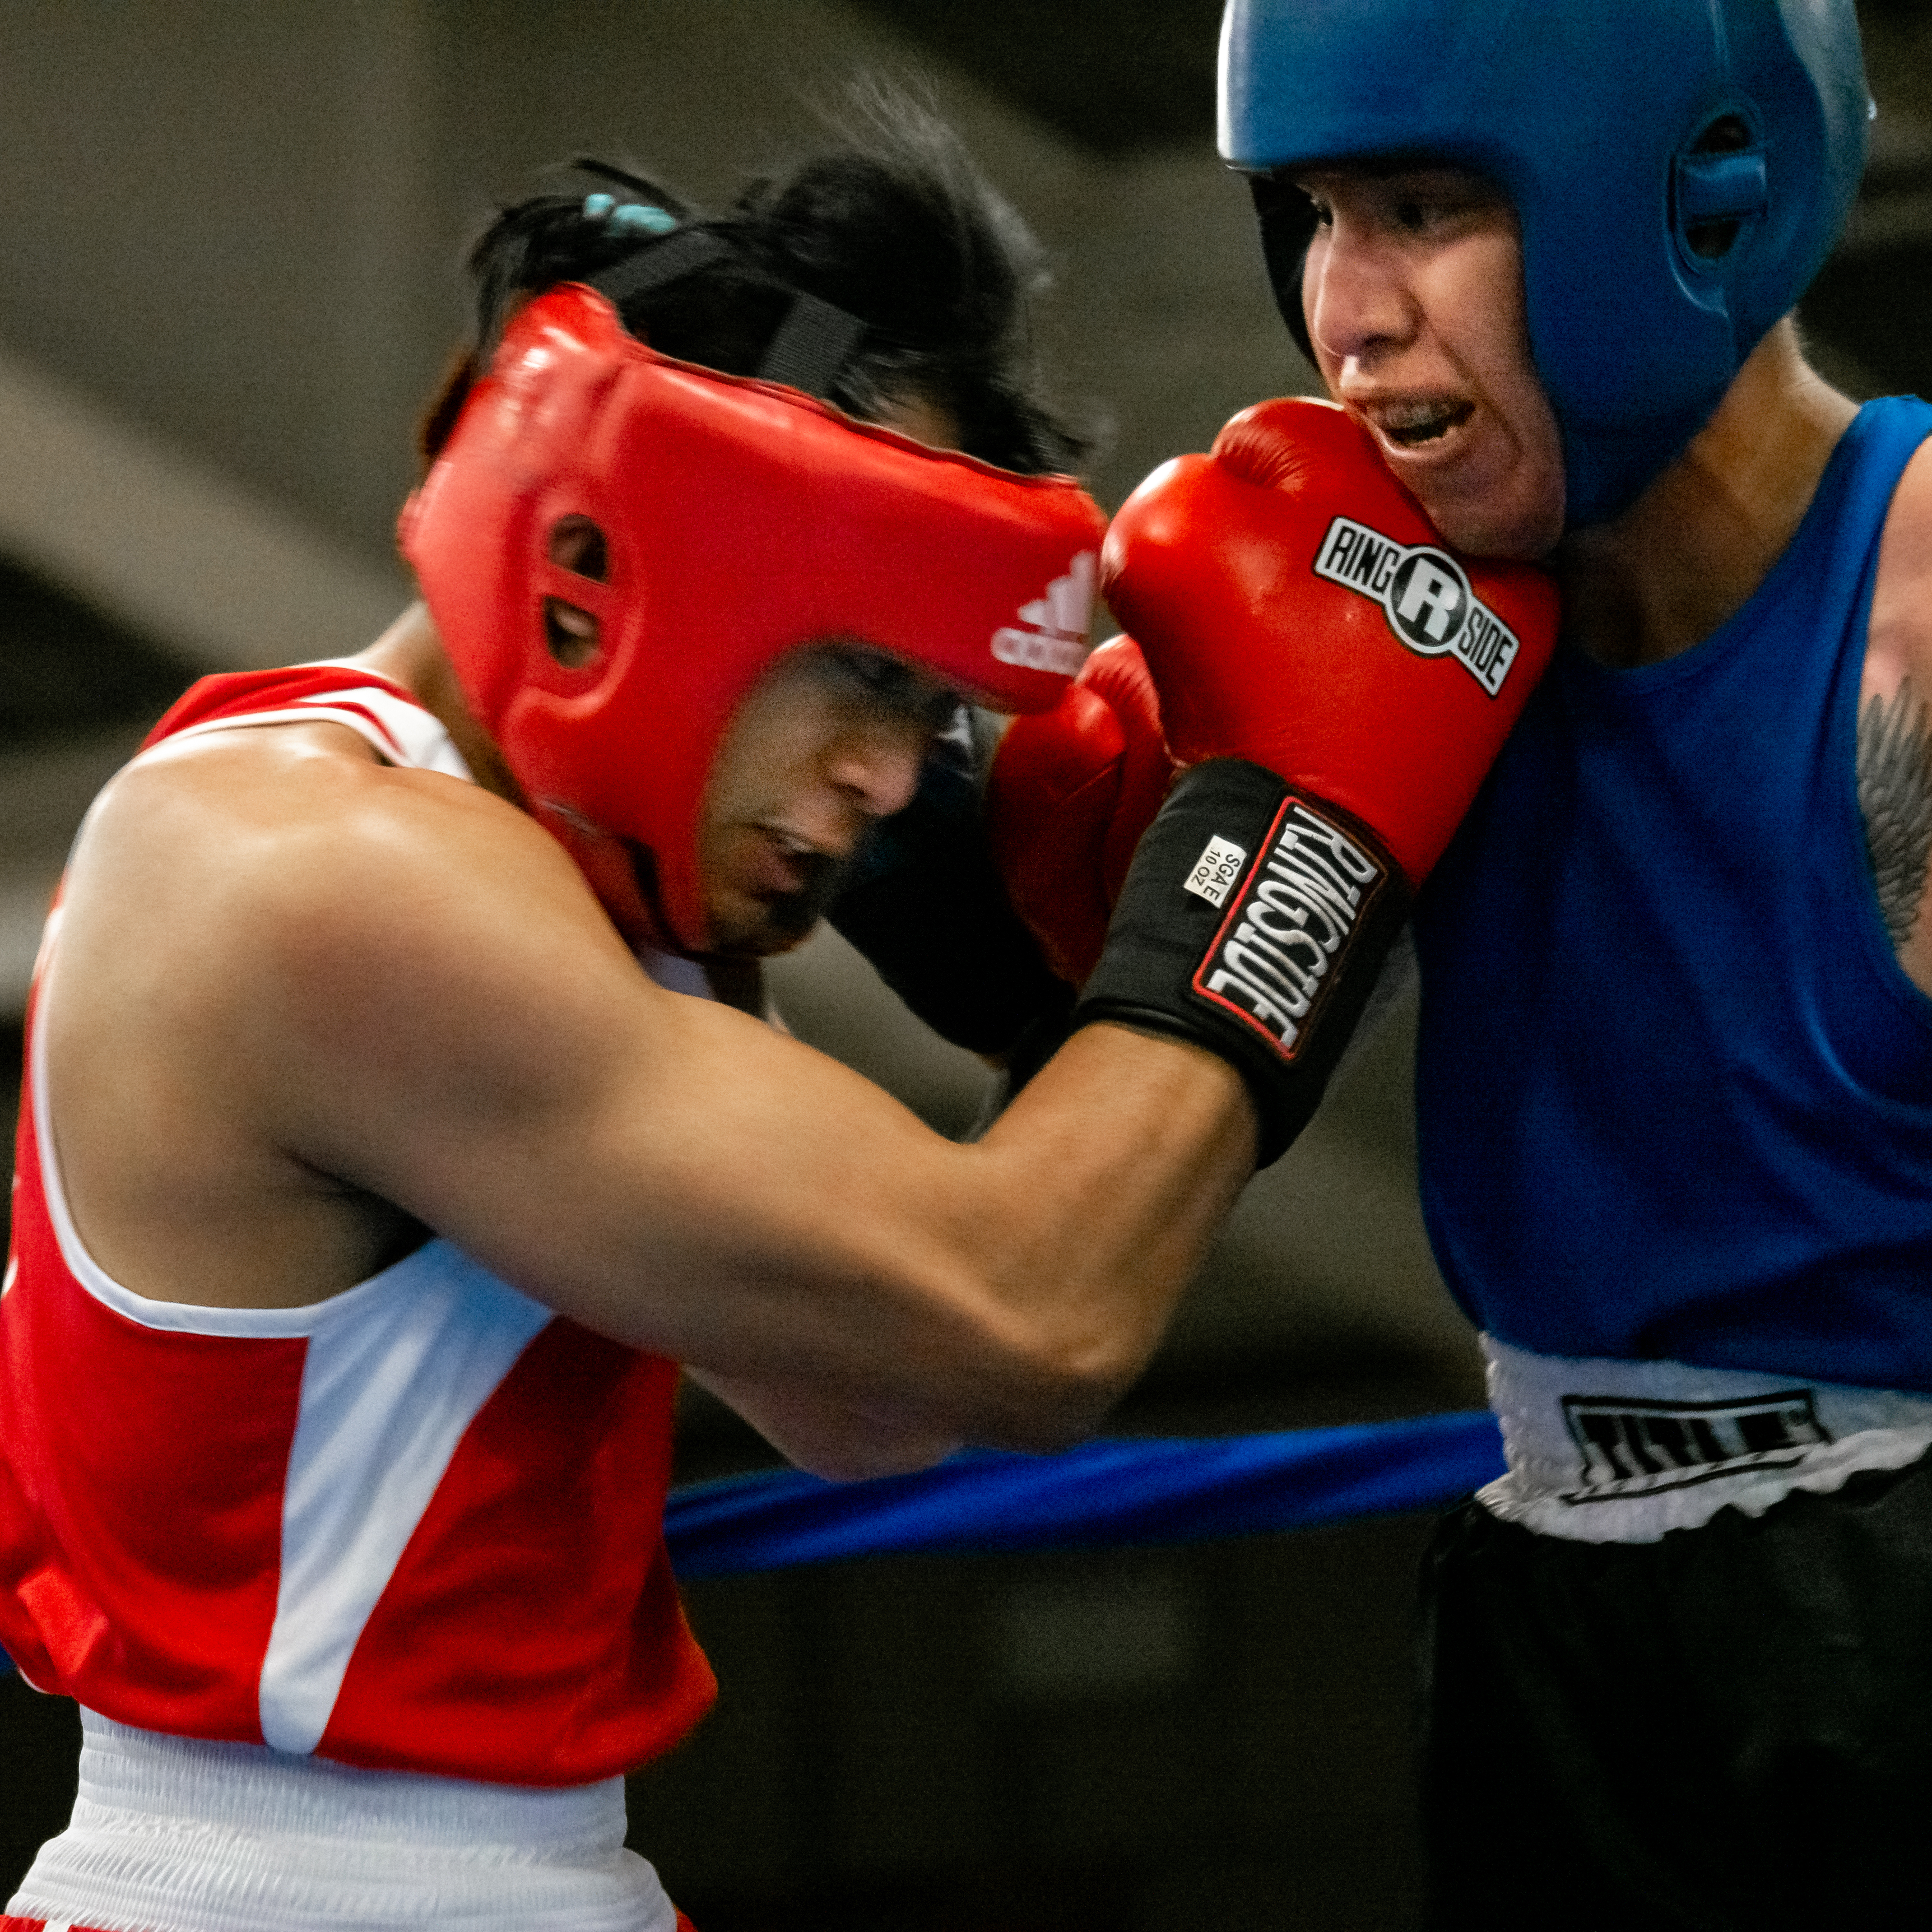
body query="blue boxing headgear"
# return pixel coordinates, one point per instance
(1680, 169)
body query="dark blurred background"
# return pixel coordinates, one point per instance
(230, 236)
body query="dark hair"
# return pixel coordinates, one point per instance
(894, 225)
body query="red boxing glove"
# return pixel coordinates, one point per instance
(1298, 609)
(1337, 683)
(1070, 792)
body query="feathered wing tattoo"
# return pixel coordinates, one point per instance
(1894, 770)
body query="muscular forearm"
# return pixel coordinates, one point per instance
(882, 1293)
(1095, 1196)
(1006, 1292)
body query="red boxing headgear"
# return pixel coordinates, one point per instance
(740, 521)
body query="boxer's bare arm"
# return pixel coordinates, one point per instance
(301, 999)
(1895, 721)
(841, 1437)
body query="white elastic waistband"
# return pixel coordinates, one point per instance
(193, 1836)
(1607, 1451)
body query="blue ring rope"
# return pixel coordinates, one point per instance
(1106, 1493)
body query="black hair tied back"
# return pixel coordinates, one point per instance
(892, 225)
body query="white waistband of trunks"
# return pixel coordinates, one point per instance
(192, 1836)
(1607, 1451)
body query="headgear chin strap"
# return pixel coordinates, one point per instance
(1680, 169)
(717, 523)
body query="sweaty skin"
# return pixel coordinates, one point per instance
(1413, 296)
(1892, 693)
(305, 1005)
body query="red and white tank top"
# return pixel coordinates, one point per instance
(416, 1527)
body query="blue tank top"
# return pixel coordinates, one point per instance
(1674, 1090)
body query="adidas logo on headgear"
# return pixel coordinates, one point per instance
(1056, 638)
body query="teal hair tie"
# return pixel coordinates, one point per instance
(636, 217)
(596, 206)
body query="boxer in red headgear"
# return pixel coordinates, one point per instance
(582, 546)
(370, 1195)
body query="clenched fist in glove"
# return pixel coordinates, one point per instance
(1338, 682)
(984, 904)
(1070, 792)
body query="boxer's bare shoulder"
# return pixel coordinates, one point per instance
(218, 882)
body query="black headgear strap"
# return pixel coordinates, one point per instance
(809, 349)
(1287, 226)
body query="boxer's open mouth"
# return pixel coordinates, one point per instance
(786, 864)
(1412, 424)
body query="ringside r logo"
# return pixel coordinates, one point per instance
(1428, 597)
(1425, 597)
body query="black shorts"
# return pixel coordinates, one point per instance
(1729, 1728)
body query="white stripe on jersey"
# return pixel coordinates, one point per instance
(396, 1369)
(385, 1398)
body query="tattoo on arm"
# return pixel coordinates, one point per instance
(1894, 769)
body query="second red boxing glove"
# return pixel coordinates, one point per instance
(1344, 681)
(1069, 794)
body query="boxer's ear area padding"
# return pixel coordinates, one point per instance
(570, 635)
(1288, 224)
(1708, 234)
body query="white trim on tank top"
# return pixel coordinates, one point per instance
(404, 732)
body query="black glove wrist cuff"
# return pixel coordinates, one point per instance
(1253, 921)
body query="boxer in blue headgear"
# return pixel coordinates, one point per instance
(1679, 171)
(1675, 1056)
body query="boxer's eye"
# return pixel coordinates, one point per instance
(897, 687)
